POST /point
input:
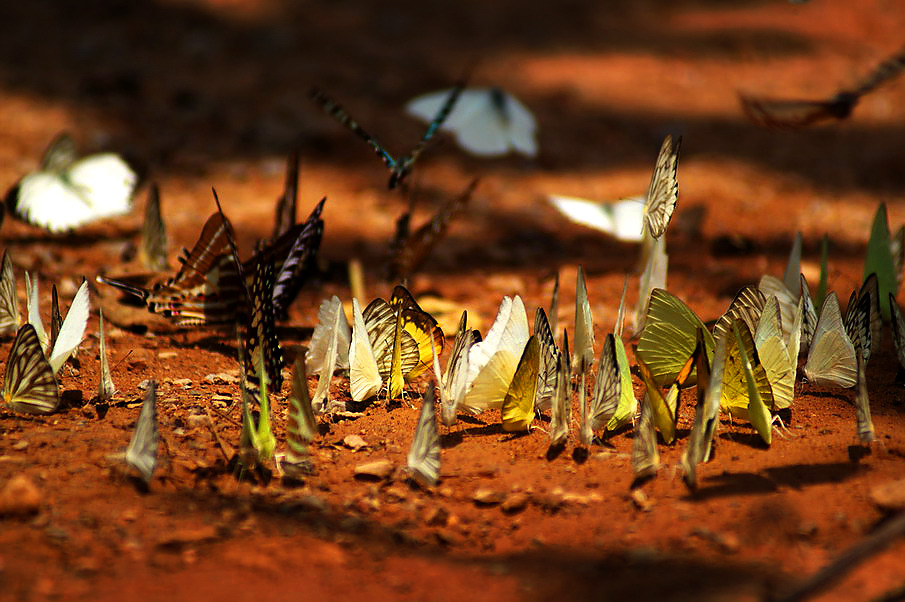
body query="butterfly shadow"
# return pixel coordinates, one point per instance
(451, 439)
(733, 484)
(799, 476)
(488, 429)
(750, 439)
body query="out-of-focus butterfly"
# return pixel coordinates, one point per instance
(286, 203)
(9, 299)
(898, 335)
(153, 247)
(328, 350)
(635, 218)
(517, 409)
(669, 337)
(68, 191)
(493, 361)
(30, 385)
(802, 113)
(709, 394)
(424, 454)
(831, 357)
(881, 262)
(583, 353)
(257, 442)
(487, 122)
(645, 455)
(301, 426)
(142, 451)
(399, 168)
(653, 276)
(409, 250)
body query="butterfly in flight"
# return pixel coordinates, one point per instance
(794, 114)
(399, 168)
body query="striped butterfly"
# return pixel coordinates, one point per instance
(424, 454)
(9, 299)
(68, 191)
(802, 113)
(30, 385)
(399, 168)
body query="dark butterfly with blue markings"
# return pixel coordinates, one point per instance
(795, 114)
(399, 168)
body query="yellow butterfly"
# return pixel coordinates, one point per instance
(517, 411)
(746, 391)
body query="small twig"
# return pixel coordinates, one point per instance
(210, 422)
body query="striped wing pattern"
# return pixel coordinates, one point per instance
(30, 385)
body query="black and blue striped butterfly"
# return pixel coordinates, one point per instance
(399, 169)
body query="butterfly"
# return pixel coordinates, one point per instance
(409, 250)
(364, 377)
(401, 335)
(862, 403)
(746, 390)
(424, 454)
(788, 300)
(561, 406)
(105, 388)
(862, 316)
(261, 342)
(68, 191)
(653, 276)
(778, 356)
(898, 334)
(645, 455)
(607, 387)
(747, 306)
(627, 405)
(584, 349)
(880, 262)
(802, 113)
(493, 361)
(549, 361)
(664, 411)
(142, 451)
(452, 383)
(328, 350)
(30, 384)
(153, 248)
(831, 357)
(517, 409)
(486, 122)
(399, 168)
(9, 300)
(668, 339)
(709, 393)
(66, 335)
(301, 426)
(286, 203)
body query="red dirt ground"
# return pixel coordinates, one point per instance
(213, 93)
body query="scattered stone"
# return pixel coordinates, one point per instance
(185, 383)
(396, 493)
(485, 496)
(221, 400)
(144, 384)
(197, 420)
(20, 496)
(727, 542)
(20, 445)
(807, 529)
(377, 470)
(889, 496)
(641, 501)
(220, 378)
(88, 412)
(438, 516)
(354, 442)
(167, 354)
(448, 537)
(515, 502)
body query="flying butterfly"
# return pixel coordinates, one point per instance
(399, 168)
(487, 122)
(328, 350)
(9, 299)
(142, 451)
(68, 191)
(802, 113)
(30, 385)
(517, 410)
(831, 357)
(409, 250)
(152, 250)
(424, 454)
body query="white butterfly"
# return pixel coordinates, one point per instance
(72, 330)
(364, 376)
(328, 350)
(452, 383)
(67, 192)
(493, 361)
(486, 122)
(424, 455)
(831, 358)
(142, 451)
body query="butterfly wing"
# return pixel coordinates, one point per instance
(424, 454)
(653, 276)
(153, 247)
(105, 388)
(9, 299)
(30, 385)
(746, 306)
(831, 357)
(663, 192)
(73, 329)
(608, 387)
(517, 410)
(105, 181)
(364, 378)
